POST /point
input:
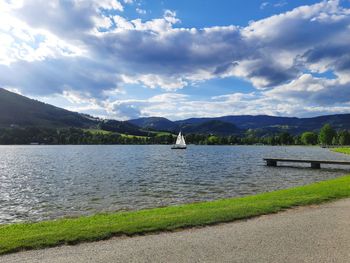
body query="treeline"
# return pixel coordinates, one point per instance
(248, 139)
(35, 135)
(326, 136)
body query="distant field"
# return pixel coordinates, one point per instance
(164, 134)
(132, 136)
(345, 150)
(157, 134)
(97, 131)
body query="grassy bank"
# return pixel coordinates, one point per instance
(345, 150)
(70, 231)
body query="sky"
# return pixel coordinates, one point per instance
(124, 59)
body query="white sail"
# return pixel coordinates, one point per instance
(179, 139)
(182, 140)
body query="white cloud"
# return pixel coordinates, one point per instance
(18, 41)
(263, 5)
(107, 4)
(121, 23)
(155, 81)
(141, 11)
(79, 45)
(280, 4)
(102, 22)
(313, 91)
(170, 16)
(159, 25)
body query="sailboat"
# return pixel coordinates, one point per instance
(180, 142)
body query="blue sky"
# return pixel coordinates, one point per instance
(125, 59)
(207, 13)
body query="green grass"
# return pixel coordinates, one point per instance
(24, 236)
(159, 134)
(97, 131)
(132, 136)
(345, 150)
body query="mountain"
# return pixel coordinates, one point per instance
(155, 123)
(268, 124)
(216, 127)
(121, 127)
(17, 110)
(337, 121)
(261, 123)
(246, 121)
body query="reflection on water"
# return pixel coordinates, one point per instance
(44, 182)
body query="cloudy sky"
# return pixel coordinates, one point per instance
(125, 59)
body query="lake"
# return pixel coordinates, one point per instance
(46, 182)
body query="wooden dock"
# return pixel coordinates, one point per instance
(316, 164)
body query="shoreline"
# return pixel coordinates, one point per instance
(26, 236)
(301, 234)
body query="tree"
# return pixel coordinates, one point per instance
(309, 138)
(344, 137)
(213, 140)
(335, 140)
(285, 138)
(326, 135)
(297, 140)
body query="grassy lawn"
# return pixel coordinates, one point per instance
(345, 150)
(17, 237)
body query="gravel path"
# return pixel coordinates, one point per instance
(308, 234)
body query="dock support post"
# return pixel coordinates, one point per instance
(315, 165)
(271, 163)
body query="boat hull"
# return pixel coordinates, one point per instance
(175, 147)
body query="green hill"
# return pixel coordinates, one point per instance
(211, 127)
(155, 123)
(123, 127)
(263, 124)
(17, 110)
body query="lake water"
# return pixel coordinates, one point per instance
(45, 182)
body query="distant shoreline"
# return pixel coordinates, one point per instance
(169, 145)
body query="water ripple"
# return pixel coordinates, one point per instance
(46, 182)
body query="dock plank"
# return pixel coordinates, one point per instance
(314, 163)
